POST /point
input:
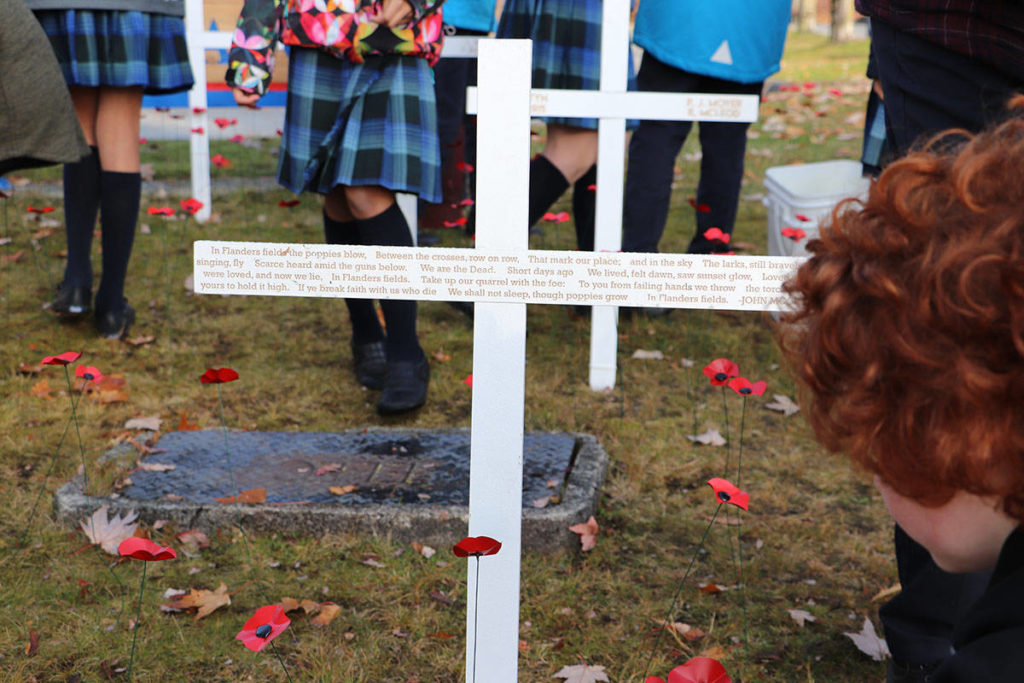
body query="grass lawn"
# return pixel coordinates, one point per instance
(816, 537)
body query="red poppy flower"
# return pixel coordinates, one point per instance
(467, 202)
(461, 220)
(198, 110)
(218, 376)
(62, 359)
(560, 217)
(654, 679)
(703, 208)
(145, 550)
(88, 373)
(468, 381)
(801, 217)
(476, 546)
(795, 234)
(716, 235)
(266, 624)
(279, 131)
(237, 138)
(160, 211)
(224, 123)
(726, 492)
(744, 387)
(191, 205)
(699, 670)
(39, 209)
(220, 161)
(720, 370)
(835, 91)
(288, 203)
(464, 167)
(198, 130)
(592, 187)
(143, 141)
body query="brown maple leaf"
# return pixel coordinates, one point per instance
(328, 611)
(202, 600)
(246, 496)
(588, 533)
(582, 673)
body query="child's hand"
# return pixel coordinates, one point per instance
(245, 99)
(392, 13)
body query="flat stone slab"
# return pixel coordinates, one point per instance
(410, 485)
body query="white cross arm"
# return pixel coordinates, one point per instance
(739, 283)
(653, 106)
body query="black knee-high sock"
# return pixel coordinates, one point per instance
(119, 212)
(81, 202)
(389, 228)
(361, 313)
(546, 185)
(584, 201)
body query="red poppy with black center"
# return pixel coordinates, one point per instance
(220, 161)
(795, 234)
(726, 492)
(62, 359)
(716, 235)
(720, 370)
(191, 205)
(744, 387)
(160, 211)
(266, 624)
(476, 546)
(88, 373)
(699, 670)
(145, 550)
(37, 209)
(218, 376)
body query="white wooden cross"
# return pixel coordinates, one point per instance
(501, 275)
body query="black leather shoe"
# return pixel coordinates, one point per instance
(72, 302)
(405, 387)
(115, 324)
(371, 362)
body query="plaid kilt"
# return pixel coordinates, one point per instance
(120, 49)
(350, 124)
(566, 38)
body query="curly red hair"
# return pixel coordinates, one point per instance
(908, 326)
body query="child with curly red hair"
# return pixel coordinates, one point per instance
(907, 334)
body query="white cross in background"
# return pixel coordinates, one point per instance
(501, 275)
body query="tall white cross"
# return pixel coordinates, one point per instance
(501, 275)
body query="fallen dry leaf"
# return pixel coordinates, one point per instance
(541, 502)
(333, 467)
(371, 562)
(185, 426)
(783, 404)
(155, 467)
(108, 532)
(424, 550)
(441, 357)
(202, 600)
(711, 437)
(42, 389)
(328, 611)
(588, 533)
(151, 424)
(12, 258)
(642, 354)
(582, 673)
(868, 642)
(141, 340)
(887, 593)
(801, 617)
(193, 539)
(33, 643)
(342, 490)
(30, 368)
(246, 496)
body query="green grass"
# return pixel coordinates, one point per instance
(816, 537)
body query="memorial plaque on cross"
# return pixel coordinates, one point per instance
(501, 275)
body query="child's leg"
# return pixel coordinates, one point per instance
(81, 203)
(380, 221)
(568, 154)
(584, 201)
(340, 227)
(117, 136)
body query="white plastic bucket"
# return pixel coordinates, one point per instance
(803, 195)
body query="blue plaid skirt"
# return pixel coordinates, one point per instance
(349, 124)
(120, 49)
(566, 38)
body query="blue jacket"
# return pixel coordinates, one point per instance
(475, 15)
(736, 40)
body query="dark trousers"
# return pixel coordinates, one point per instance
(652, 156)
(929, 89)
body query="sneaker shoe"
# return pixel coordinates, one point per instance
(72, 302)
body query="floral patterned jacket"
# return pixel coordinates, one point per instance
(341, 27)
